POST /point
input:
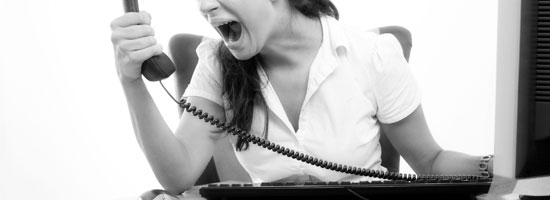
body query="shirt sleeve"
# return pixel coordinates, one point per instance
(396, 91)
(206, 80)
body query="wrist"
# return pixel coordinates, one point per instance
(486, 166)
(490, 166)
(132, 87)
(127, 81)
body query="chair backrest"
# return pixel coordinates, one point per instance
(182, 49)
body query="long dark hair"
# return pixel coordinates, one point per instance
(241, 82)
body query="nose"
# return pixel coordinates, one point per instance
(207, 6)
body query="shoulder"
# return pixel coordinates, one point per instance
(386, 52)
(362, 43)
(388, 45)
(207, 56)
(207, 48)
(207, 74)
(374, 49)
(372, 42)
(206, 81)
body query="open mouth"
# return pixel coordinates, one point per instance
(230, 31)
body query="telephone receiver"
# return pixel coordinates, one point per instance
(157, 67)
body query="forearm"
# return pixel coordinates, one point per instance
(164, 152)
(455, 163)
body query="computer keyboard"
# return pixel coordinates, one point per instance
(442, 188)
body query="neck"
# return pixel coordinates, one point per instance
(299, 38)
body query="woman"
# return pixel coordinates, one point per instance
(287, 71)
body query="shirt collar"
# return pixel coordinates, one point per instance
(333, 48)
(334, 45)
(335, 33)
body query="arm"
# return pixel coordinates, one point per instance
(176, 159)
(413, 140)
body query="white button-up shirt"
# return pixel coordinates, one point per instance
(357, 80)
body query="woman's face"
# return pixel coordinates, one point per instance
(244, 25)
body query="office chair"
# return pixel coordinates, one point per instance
(182, 49)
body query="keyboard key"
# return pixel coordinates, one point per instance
(345, 183)
(444, 181)
(290, 183)
(484, 180)
(363, 182)
(315, 183)
(278, 183)
(376, 182)
(401, 182)
(420, 180)
(432, 180)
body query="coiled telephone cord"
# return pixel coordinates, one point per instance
(304, 157)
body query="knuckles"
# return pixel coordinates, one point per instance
(133, 38)
(137, 36)
(142, 54)
(145, 17)
(152, 40)
(137, 44)
(145, 30)
(132, 25)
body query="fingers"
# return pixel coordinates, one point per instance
(133, 41)
(131, 25)
(131, 18)
(140, 55)
(132, 32)
(137, 44)
(133, 35)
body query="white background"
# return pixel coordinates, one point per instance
(65, 131)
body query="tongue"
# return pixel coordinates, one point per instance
(235, 32)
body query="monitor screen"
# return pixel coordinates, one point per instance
(533, 132)
(522, 120)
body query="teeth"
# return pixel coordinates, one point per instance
(224, 23)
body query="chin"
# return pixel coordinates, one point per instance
(242, 55)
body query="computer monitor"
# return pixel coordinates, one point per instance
(522, 120)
